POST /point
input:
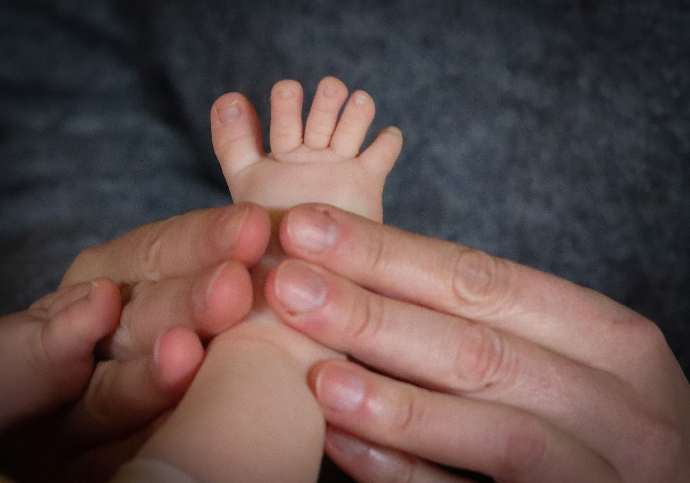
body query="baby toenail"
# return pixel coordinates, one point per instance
(286, 93)
(329, 91)
(360, 99)
(228, 114)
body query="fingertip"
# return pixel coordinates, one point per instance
(178, 353)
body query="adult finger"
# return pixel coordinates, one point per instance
(456, 356)
(369, 463)
(461, 281)
(207, 303)
(114, 406)
(493, 439)
(178, 246)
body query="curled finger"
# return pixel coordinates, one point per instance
(114, 406)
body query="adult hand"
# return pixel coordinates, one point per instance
(499, 368)
(183, 281)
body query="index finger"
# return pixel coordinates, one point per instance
(461, 281)
(178, 246)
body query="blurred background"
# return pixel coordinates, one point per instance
(553, 133)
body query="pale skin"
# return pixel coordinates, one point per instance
(184, 281)
(398, 267)
(165, 262)
(515, 373)
(251, 393)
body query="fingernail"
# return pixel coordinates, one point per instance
(340, 390)
(229, 113)
(94, 285)
(229, 227)
(298, 287)
(386, 463)
(203, 287)
(360, 99)
(312, 229)
(345, 443)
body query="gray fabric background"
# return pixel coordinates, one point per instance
(554, 133)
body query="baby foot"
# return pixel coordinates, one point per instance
(318, 164)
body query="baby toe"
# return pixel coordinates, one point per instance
(286, 116)
(354, 124)
(381, 155)
(323, 116)
(236, 133)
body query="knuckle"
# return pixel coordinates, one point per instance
(410, 416)
(376, 253)
(525, 450)
(482, 359)
(367, 322)
(480, 282)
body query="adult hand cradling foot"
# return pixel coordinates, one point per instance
(498, 368)
(187, 282)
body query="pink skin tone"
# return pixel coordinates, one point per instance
(184, 280)
(251, 393)
(46, 351)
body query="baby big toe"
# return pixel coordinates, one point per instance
(236, 133)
